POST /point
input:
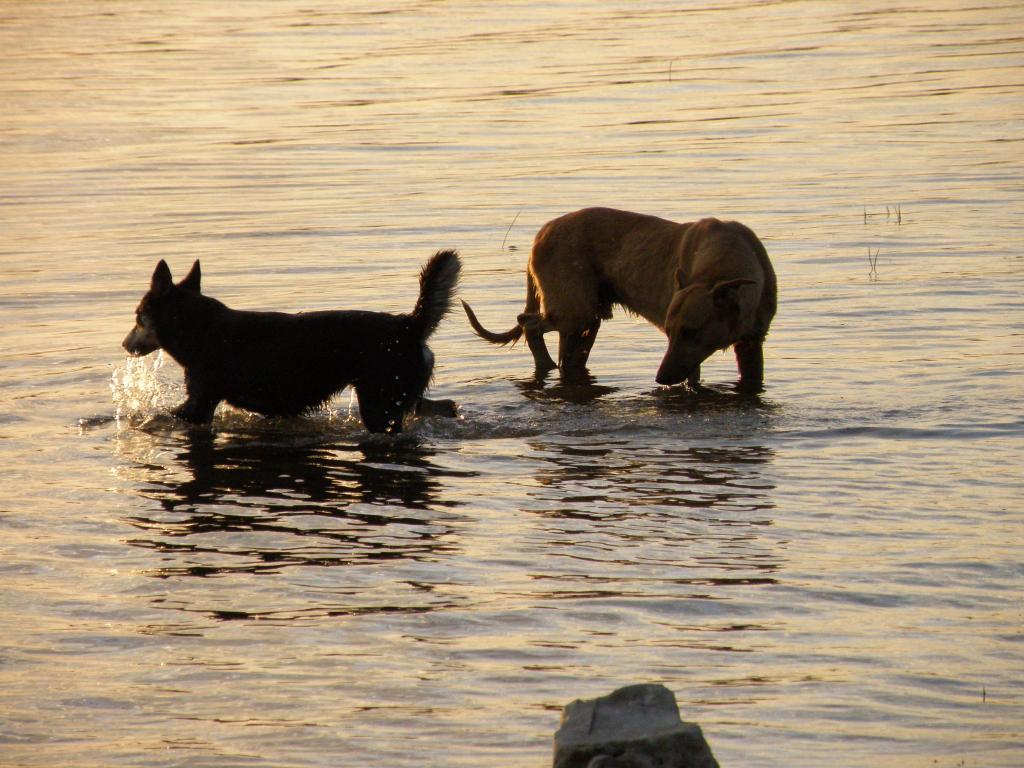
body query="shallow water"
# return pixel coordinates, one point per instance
(828, 573)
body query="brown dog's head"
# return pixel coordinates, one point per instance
(701, 319)
(156, 312)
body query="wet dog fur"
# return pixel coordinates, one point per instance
(279, 364)
(707, 284)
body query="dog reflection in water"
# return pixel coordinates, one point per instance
(280, 364)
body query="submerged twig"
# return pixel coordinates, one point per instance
(892, 212)
(873, 263)
(510, 229)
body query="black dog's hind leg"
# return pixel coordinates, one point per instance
(377, 413)
(383, 406)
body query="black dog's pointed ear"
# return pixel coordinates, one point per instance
(161, 281)
(191, 281)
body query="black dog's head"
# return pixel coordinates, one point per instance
(157, 311)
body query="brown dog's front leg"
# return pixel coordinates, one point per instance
(750, 361)
(693, 380)
(533, 326)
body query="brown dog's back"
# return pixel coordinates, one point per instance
(589, 259)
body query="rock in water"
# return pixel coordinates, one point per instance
(635, 727)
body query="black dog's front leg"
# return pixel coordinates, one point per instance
(195, 412)
(198, 408)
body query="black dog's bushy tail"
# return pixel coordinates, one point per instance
(438, 279)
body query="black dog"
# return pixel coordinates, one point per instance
(281, 364)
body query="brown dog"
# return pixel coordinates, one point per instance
(708, 285)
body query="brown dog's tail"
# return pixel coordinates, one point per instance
(438, 279)
(511, 335)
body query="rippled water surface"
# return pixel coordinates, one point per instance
(828, 573)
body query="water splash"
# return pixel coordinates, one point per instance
(139, 389)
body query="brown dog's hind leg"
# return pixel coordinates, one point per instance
(574, 347)
(750, 361)
(428, 407)
(534, 327)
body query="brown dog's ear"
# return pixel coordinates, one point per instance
(191, 281)
(161, 281)
(680, 278)
(726, 294)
